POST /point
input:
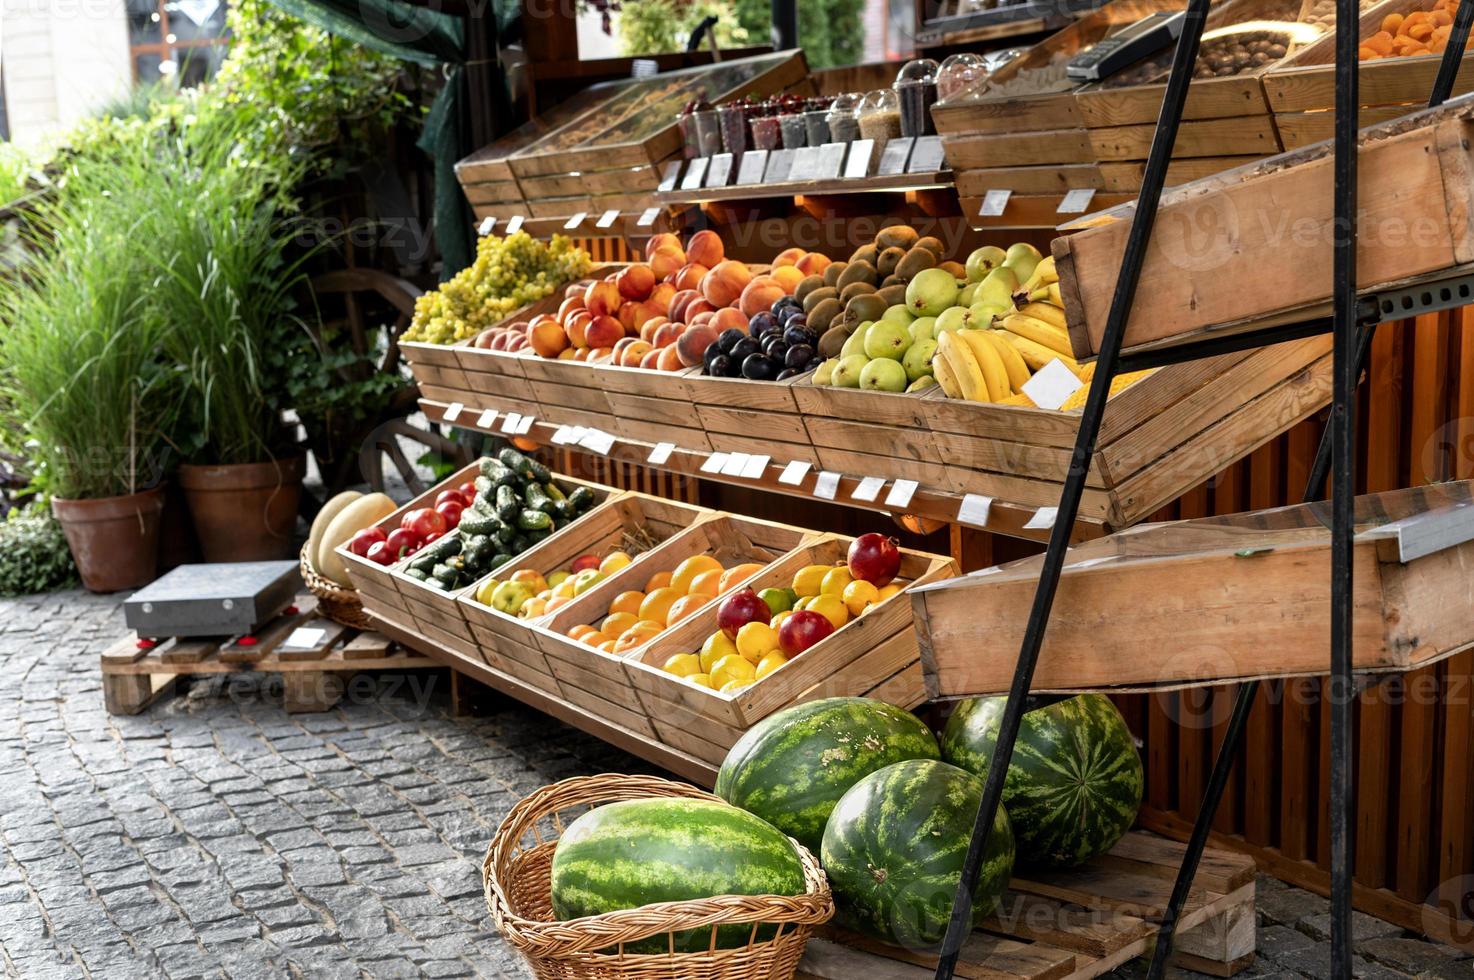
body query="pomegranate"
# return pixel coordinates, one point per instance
(802, 630)
(874, 558)
(739, 609)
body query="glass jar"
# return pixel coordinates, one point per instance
(734, 127)
(880, 117)
(960, 76)
(816, 121)
(916, 91)
(795, 132)
(766, 131)
(708, 132)
(843, 126)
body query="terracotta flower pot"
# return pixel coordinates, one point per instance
(114, 540)
(245, 511)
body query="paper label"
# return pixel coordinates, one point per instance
(1043, 518)
(826, 485)
(714, 463)
(901, 493)
(524, 425)
(794, 473)
(805, 164)
(893, 158)
(510, 423)
(755, 467)
(974, 510)
(661, 453)
(514, 224)
(750, 170)
(857, 167)
(868, 489)
(780, 165)
(668, 178)
(734, 464)
(487, 419)
(1052, 384)
(1076, 201)
(720, 170)
(829, 160)
(576, 220)
(453, 411)
(695, 174)
(926, 155)
(304, 638)
(597, 442)
(607, 219)
(486, 226)
(560, 435)
(647, 217)
(994, 204)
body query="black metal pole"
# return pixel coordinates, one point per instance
(1147, 202)
(1453, 53)
(785, 24)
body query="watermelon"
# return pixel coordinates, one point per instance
(894, 848)
(636, 852)
(1074, 784)
(792, 767)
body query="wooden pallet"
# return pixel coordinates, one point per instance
(1079, 923)
(314, 668)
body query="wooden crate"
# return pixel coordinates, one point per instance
(597, 680)
(1266, 254)
(831, 668)
(606, 528)
(1232, 598)
(754, 417)
(497, 381)
(651, 406)
(1080, 923)
(870, 433)
(1160, 436)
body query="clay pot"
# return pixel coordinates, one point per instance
(244, 511)
(113, 540)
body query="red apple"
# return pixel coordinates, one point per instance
(739, 609)
(583, 563)
(802, 630)
(874, 558)
(361, 542)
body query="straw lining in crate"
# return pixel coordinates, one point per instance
(851, 431)
(751, 417)
(597, 680)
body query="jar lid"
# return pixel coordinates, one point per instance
(846, 104)
(922, 71)
(961, 75)
(881, 100)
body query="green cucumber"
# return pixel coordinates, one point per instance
(534, 520)
(582, 499)
(516, 462)
(507, 504)
(540, 473)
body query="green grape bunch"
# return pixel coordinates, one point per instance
(508, 274)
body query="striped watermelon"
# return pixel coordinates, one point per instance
(792, 767)
(894, 848)
(1075, 780)
(633, 853)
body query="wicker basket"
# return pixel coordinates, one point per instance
(333, 601)
(517, 877)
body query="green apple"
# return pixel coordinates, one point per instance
(509, 597)
(922, 328)
(1021, 258)
(847, 371)
(899, 313)
(778, 600)
(824, 373)
(917, 360)
(587, 579)
(856, 342)
(887, 338)
(883, 374)
(931, 292)
(922, 383)
(983, 261)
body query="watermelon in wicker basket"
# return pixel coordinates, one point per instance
(518, 879)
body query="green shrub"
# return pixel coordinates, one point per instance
(33, 554)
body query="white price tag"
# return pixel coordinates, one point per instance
(826, 485)
(1076, 201)
(304, 638)
(576, 220)
(560, 436)
(735, 463)
(514, 224)
(647, 217)
(794, 473)
(607, 219)
(487, 419)
(720, 170)
(901, 493)
(486, 226)
(868, 489)
(754, 164)
(510, 423)
(1052, 385)
(714, 463)
(453, 411)
(597, 442)
(661, 453)
(994, 203)
(974, 510)
(524, 425)
(755, 467)
(1043, 518)
(862, 153)
(668, 177)
(695, 174)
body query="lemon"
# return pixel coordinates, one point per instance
(613, 562)
(835, 580)
(717, 646)
(858, 595)
(832, 608)
(733, 686)
(682, 665)
(700, 680)
(809, 579)
(777, 620)
(888, 591)
(771, 662)
(732, 667)
(756, 639)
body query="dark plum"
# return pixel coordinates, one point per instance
(761, 323)
(729, 339)
(743, 349)
(787, 373)
(758, 367)
(799, 356)
(720, 366)
(799, 334)
(782, 303)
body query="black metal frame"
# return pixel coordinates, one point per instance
(1352, 326)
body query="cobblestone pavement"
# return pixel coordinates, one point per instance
(215, 835)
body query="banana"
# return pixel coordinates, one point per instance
(965, 367)
(1044, 274)
(1019, 399)
(1087, 371)
(994, 373)
(1048, 294)
(1053, 315)
(942, 371)
(1032, 328)
(1037, 355)
(1013, 362)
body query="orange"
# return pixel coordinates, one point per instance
(608, 646)
(707, 583)
(637, 635)
(593, 639)
(737, 573)
(659, 580)
(657, 604)
(578, 631)
(687, 571)
(627, 602)
(616, 623)
(685, 606)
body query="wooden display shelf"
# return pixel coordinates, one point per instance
(892, 184)
(626, 226)
(998, 22)
(1025, 211)
(1079, 923)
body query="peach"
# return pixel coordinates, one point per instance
(729, 317)
(603, 299)
(621, 344)
(661, 240)
(517, 341)
(693, 343)
(568, 307)
(661, 296)
(698, 306)
(700, 318)
(582, 354)
(668, 359)
(635, 281)
(690, 276)
(725, 282)
(788, 256)
(705, 248)
(666, 262)
(577, 327)
(679, 302)
(549, 338)
(648, 328)
(651, 360)
(626, 315)
(604, 331)
(630, 356)
(759, 295)
(570, 354)
(600, 355)
(788, 277)
(576, 288)
(812, 263)
(665, 334)
(499, 341)
(647, 311)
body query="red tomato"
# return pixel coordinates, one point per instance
(468, 492)
(361, 542)
(402, 541)
(429, 539)
(427, 521)
(450, 496)
(451, 511)
(408, 520)
(381, 553)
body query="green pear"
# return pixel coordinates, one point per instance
(965, 298)
(997, 288)
(984, 313)
(1021, 258)
(922, 328)
(847, 371)
(883, 374)
(917, 360)
(824, 373)
(955, 318)
(983, 261)
(922, 383)
(931, 292)
(856, 343)
(899, 313)
(887, 338)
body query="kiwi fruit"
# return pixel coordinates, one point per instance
(809, 284)
(865, 253)
(858, 272)
(817, 296)
(833, 271)
(892, 280)
(832, 341)
(824, 314)
(957, 269)
(855, 289)
(893, 295)
(896, 236)
(889, 259)
(867, 306)
(917, 260)
(931, 244)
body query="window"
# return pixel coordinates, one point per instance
(184, 39)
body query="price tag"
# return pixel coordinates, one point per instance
(661, 453)
(524, 425)
(487, 419)
(719, 173)
(668, 178)
(1076, 201)
(695, 174)
(510, 423)
(829, 162)
(453, 411)
(893, 158)
(780, 165)
(607, 219)
(304, 638)
(750, 170)
(755, 467)
(576, 220)
(714, 463)
(734, 464)
(514, 224)
(974, 510)
(862, 155)
(1051, 385)
(901, 493)
(868, 489)
(486, 226)
(597, 442)
(647, 217)
(562, 436)
(794, 473)
(994, 203)
(826, 485)
(805, 164)
(1043, 518)
(926, 155)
